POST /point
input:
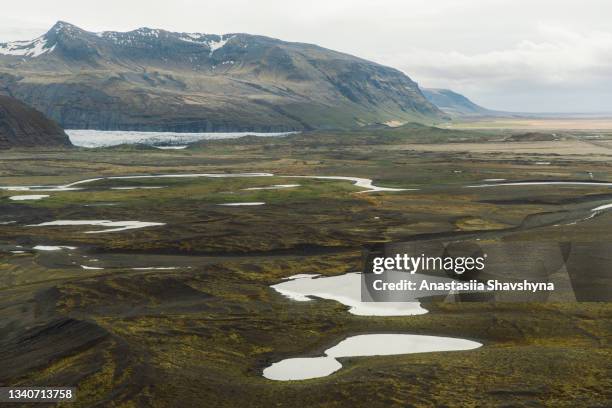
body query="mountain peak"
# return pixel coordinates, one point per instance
(45, 44)
(63, 26)
(147, 30)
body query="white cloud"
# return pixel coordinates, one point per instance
(570, 56)
(560, 60)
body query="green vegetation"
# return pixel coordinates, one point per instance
(203, 332)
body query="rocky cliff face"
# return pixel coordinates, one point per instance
(22, 126)
(158, 80)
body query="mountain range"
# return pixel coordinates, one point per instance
(157, 80)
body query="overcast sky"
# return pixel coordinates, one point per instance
(517, 55)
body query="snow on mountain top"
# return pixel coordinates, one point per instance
(213, 45)
(195, 38)
(148, 32)
(41, 45)
(32, 49)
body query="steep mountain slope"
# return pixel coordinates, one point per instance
(22, 126)
(158, 80)
(455, 104)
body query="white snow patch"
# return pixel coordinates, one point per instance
(31, 49)
(216, 45)
(213, 45)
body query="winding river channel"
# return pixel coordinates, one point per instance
(305, 287)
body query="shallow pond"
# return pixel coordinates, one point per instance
(273, 187)
(304, 368)
(244, 204)
(28, 197)
(346, 289)
(52, 247)
(544, 183)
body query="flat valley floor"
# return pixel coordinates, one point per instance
(181, 313)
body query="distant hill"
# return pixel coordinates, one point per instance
(533, 137)
(156, 80)
(23, 126)
(455, 104)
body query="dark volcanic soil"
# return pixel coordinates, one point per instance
(23, 126)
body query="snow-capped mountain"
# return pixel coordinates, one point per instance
(31, 49)
(150, 79)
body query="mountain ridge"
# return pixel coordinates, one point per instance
(456, 104)
(152, 79)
